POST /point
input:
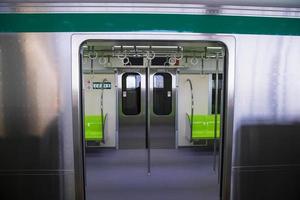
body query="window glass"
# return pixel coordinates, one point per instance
(162, 94)
(131, 82)
(131, 93)
(158, 81)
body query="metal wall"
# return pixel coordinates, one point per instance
(36, 135)
(263, 3)
(266, 150)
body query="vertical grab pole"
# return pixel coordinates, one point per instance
(101, 107)
(202, 65)
(216, 112)
(221, 127)
(192, 108)
(176, 121)
(150, 56)
(117, 110)
(82, 93)
(148, 117)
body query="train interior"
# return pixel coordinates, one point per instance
(152, 114)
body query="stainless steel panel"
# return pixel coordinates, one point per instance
(275, 183)
(266, 159)
(132, 128)
(286, 3)
(267, 87)
(162, 133)
(230, 7)
(36, 137)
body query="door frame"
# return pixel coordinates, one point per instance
(229, 43)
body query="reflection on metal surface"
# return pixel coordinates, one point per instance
(37, 151)
(42, 83)
(267, 87)
(283, 9)
(2, 122)
(267, 113)
(268, 155)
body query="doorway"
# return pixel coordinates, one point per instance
(162, 101)
(135, 85)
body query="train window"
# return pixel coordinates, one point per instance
(131, 93)
(162, 93)
(158, 81)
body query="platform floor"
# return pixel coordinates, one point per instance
(185, 174)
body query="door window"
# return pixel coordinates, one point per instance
(162, 94)
(131, 93)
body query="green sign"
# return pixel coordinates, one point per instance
(101, 85)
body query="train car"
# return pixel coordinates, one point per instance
(149, 99)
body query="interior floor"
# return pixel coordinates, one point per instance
(185, 173)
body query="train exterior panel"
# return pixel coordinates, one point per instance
(40, 102)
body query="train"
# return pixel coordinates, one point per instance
(149, 100)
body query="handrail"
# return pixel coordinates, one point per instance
(101, 108)
(103, 128)
(216, 111)
(192, 106)
(190, 138)
(189, 135)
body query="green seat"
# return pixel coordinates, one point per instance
(93, 128)
(203, 127)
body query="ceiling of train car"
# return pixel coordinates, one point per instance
(163, 47)
(189, 44)
(260, 3)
